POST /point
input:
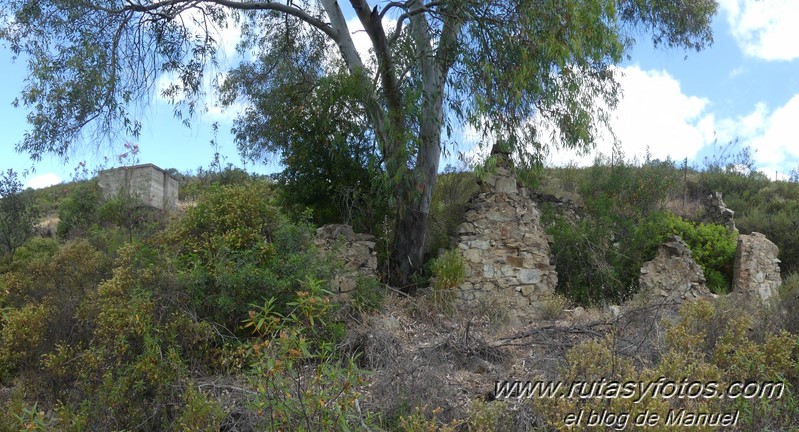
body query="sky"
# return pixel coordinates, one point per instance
(676, 104)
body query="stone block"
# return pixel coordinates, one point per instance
(529, 276)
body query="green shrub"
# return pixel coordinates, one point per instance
(22, 332)
(200, 413)
(368, 296)
(710, 343)
(453, 190)
(598, 257)
(302, 382)
(35, 249)
(712, 246)
(78, 211)
(236, 249)
(138, 345)
(449, 270)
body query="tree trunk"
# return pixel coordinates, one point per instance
(408, 251)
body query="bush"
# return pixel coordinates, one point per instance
(598, 257)
(449, 271)
(138, 347)
(368, 296)
(236, 249)
(453, 190)
(711, 343)
(302, 382)
(78, 211)
(712, 246)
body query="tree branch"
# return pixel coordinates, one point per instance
(238, 5)
(372, 23)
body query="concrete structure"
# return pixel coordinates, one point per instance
(148, 183)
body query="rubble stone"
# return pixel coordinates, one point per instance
(673, 276)
(356, 251)
(717, 212)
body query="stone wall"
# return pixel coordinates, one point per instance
(756, 272)
(148, 183)
(562, 206)
(356, 251)
(717, 212)
(672, 276)
(505, 248)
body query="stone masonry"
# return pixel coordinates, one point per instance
(673, 276)
(717, 212)
(505, 248)
(756, 271)
(357, 251)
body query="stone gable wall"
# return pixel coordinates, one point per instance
(506, 250)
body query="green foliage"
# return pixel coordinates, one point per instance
(302, 383)
(368, 296)
(599, 257)
(449, 270)
(315, 126)
(453, 191)
(17, 215)
(712, 246)
(35, 249)
(78, 211)
(201, 413)
(126, 210)
(141, 347)
(490, 65)
(236, 248)
(761, 205)
(21, 333)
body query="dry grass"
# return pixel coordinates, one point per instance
(690, 209)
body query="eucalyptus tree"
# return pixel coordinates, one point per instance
(436, 66)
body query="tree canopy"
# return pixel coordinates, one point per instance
(435, 66)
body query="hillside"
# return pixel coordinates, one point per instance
(219, 316)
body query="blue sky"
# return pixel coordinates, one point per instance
(745, 86)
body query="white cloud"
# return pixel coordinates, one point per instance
(653, 112)
(777, 140)
(43, 181)
(766, 29)
(771, 134)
